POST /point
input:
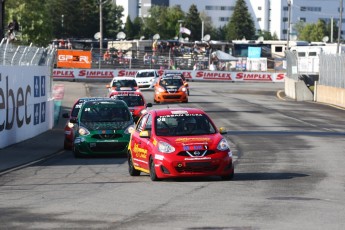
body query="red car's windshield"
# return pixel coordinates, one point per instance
(177, 125)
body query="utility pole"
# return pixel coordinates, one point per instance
(340, 25)
(289, 22)
(332, 29)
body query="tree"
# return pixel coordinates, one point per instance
(193, 23)
(266, 35)
(329, 31)
(34, 25)
(163, 21)
(312, 32)
(138, 27)
(129, 30)
(241, 24)
(112, 20)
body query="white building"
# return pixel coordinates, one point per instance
(268, 15)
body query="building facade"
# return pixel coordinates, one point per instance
(268, 15)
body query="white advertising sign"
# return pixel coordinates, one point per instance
(25, 105)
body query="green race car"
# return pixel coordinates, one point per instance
(102, 127)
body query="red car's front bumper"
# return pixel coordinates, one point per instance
(220, 164)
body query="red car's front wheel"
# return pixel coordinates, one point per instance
(153, 174)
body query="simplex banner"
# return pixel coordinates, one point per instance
(197, 75)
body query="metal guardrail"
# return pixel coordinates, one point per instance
(16, 55)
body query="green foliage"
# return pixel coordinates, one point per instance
(312, 32)
(137, 27)
(241, 24)
(112, 20)
(44, 20)
(129, 28)
(266, 35)
(164, 21)
(193, 23)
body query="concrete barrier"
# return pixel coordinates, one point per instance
(26, 103)
(330, 95)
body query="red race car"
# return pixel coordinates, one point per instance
(134, 100)
(179, 142)
(69, 136)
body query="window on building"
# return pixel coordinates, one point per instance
(224, 19)
(284, 31)
(285, 19)
(285, 8)
(310, 8)
(259, 8)
(259, 19)
(278, 49)
(302, 19)
(301, 54)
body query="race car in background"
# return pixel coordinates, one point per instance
(170, 88)
(146, 78)
(102, 127)
(134, 100)
(68, 130)
(122, 84)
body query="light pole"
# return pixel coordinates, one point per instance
(62, 21)
(180, 34)
(340, 25)
(101, 29)
(202, 29)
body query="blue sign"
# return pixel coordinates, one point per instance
(43, 86)
(43, 112)
(36, 86)
(254, 52)
(36, 113)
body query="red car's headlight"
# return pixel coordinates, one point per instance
(164, 147)
(223, 145)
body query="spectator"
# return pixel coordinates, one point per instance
(120, 56)
(69, 44)
(146, 59)
(106, 56)
(154, 46)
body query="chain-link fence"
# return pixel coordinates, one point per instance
(16, 55)
(332, 70)
(171, 59)
(295, 71)
(291, 65)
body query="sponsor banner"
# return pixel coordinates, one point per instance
(198, 75)
(73, 59)
(26, 106)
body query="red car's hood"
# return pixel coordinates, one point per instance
(193, 142)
